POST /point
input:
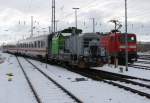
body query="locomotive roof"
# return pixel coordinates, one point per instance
(128, 33)
(89, 35)
(118, 33)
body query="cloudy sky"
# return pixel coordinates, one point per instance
(15, 16)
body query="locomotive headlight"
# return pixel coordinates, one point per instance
(122, 47)
(133, 46)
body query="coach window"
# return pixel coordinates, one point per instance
(38, 44)
(35, 44)
(32, 45)
(41, 44)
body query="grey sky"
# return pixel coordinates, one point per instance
(13, 11)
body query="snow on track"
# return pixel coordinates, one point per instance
(48, 92)
(142, 64)
(141, 81)
(136, 87)
(131, 71)
(17, 90)
(90, 91)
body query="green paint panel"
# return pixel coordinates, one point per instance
(57, 44)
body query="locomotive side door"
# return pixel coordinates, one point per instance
(112, 46)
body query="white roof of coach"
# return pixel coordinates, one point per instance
(32, 39)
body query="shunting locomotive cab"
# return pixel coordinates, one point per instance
(87, 49)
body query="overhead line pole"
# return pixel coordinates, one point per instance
(93, 19)
(31, 26)
(53, 16)
(76, 24)
(126, 35)
(56, 24)
(75, 31)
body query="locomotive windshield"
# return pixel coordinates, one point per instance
(131, 39)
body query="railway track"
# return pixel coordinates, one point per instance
(140, 66)
(111, 78)
(144, 62)
(56, 84)
(144, 58)
(30, 84)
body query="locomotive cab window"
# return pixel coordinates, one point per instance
(130, 39)
(86, 42)
(112, 39)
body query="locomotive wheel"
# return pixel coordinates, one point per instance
(99, 63)
(82, 64)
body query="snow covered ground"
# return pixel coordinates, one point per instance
(17, 89)
(48, 92)
(89, 91)
(143, 64)
(144, 53)
(131, 71)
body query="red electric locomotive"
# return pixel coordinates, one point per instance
(114, 42)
